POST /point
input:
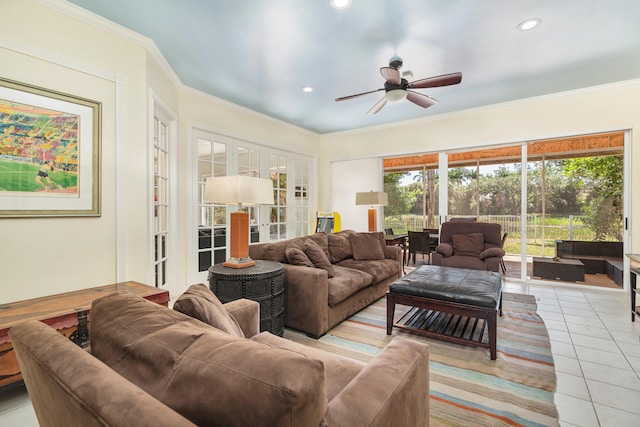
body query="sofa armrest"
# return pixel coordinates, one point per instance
(395, 253)
(306, 299)
(247, 314)
(393, 389)
(98, 396)
(436, 258)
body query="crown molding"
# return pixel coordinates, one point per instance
(117, 30)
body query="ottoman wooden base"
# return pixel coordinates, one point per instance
(452, 304)
(447, 321)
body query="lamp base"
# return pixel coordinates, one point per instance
(239, 262)
(373, 221)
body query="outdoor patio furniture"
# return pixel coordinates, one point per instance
(569, 270)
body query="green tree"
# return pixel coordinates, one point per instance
(601, 187)
(399, 200)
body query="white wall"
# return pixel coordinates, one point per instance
(66, 49)
(344, 186)
(597, 109)
(42, 256)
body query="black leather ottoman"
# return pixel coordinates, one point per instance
(453, 304)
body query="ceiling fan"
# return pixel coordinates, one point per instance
(397, 87)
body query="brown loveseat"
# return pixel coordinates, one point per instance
(475, 245)
(153, 366)
(329, 277)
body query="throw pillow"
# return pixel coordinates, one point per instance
(200, 303)
(317, 256)
(471, 244)
(321, 239)
(492, 252)
(339, 247)
(296, 256)
(445, 249)
(366, 246)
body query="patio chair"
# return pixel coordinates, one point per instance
(419, 244)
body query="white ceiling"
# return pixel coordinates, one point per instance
(260, 53)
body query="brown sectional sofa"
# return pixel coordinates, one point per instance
(153, 366)
(353, 270)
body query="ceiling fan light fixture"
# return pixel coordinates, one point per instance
(340, 4)
(396, 95)
(307, 89)
(529, 24)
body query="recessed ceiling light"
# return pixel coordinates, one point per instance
(340, 4)
(529, 24)
(307, 89)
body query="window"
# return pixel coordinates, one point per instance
(221, 155)
(212, 219)
(162, 205)
(278, 214)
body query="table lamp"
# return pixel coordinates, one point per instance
(372, 198)
(239, 190)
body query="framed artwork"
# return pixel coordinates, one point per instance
(49, 153)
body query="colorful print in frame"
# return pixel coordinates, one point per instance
(49, 153)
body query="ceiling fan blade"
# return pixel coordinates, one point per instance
(378, 106)
(443, 80)
(392, 75)
(344, 98)
(425, 101)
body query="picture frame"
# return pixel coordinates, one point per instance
(50, 145)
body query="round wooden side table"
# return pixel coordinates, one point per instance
(263, 282)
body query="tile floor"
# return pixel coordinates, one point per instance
(595, 346)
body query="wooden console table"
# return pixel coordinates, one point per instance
(68, 313)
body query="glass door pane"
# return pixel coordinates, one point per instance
(278, 212)
(413, 194)
(212, 221)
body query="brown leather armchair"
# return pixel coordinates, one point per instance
(475, 245)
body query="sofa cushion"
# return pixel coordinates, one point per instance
(210, 377)
(339, 247)
(491, 252)
(346, 282)
(366, 246)
(463, 261)
(339, 370)
(276, 251)
(380, 269)
(471, 244)
(296, 256)
(317, 256)
(322, 240)
(200, 303)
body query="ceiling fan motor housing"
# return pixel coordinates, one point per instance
(390, 86)
(395, 62)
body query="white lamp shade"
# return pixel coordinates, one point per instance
(396, 95)
(239, 189)
(372, 198)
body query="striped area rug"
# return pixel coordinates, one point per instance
(467, 388)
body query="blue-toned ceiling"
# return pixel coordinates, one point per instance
(260, 53)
